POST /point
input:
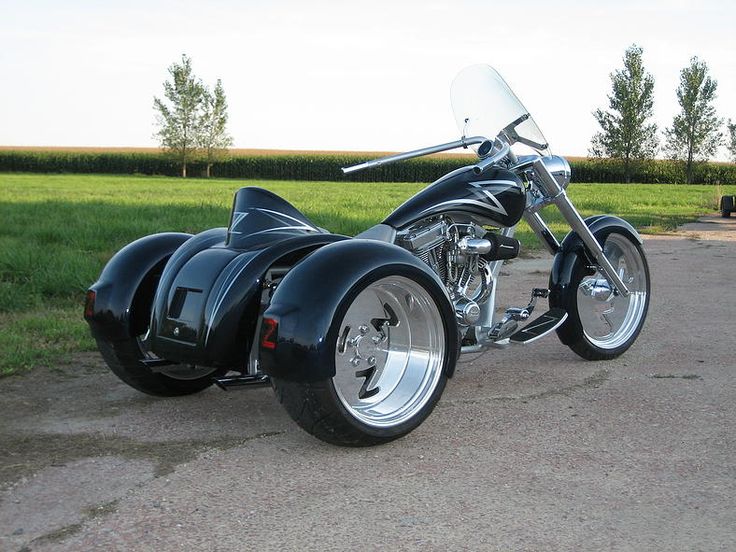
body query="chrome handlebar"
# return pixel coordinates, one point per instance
(373, 163)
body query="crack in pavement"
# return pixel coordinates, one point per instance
(591, 382)
(58, 535)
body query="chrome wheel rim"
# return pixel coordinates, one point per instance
(609, 320)
(389, 352)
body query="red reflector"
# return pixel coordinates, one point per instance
(268, 333)
(89, 304)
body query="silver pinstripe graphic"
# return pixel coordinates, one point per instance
(222, 292)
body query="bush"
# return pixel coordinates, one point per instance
(327, 166)
(87, 162)
(659, 171)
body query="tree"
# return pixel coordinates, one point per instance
(731, 139)
(625, 133)
(212, 136)
(695, 135)
(178, 119)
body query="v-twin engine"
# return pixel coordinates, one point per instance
(460, 254)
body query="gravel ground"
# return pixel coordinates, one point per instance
(530, 448)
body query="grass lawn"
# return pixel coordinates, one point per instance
(57, 232)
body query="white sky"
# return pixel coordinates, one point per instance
(341, 75)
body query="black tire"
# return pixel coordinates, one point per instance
(727, 205)
(125, 357)
(573, 332)
(324, 408)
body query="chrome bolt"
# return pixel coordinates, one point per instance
(355, 361)
(363, 330)
(371, 361)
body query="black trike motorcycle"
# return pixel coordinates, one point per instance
(358, 336)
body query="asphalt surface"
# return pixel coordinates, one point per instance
(530, 448)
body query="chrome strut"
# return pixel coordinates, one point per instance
(552, 189)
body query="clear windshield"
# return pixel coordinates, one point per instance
(484, 105)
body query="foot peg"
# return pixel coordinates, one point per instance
(539, 327)
(503, 329)
(509, 322)
(244, 380)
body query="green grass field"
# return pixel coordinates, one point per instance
(57, 232)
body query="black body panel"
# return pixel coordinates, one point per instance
(206, 304)
(572, 248)
(125, 272)
(259, 218)
(494, 197)
(306, 301)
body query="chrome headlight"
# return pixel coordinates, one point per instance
(560, 169)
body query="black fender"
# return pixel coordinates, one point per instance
(572, 250)
(225, 306)
(110, 300)
(294, 342)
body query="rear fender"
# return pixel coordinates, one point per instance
(115, 292)
(215, 326)
(294, 342)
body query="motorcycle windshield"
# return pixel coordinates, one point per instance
(484, 105)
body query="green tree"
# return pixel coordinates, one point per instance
(212, 136)
(731, 145)
(694, 134)
(178, 118)
(625, 132)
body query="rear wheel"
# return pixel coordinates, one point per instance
(601, 323)
(392, 344)
(126, 357)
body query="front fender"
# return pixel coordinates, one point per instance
(115, 290)
(294, 342)
(572, 250)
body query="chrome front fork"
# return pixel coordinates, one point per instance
(556, 194)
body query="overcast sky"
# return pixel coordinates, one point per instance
(341, 75)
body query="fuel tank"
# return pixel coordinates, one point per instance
(494, 197)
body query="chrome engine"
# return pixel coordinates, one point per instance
(457, 252)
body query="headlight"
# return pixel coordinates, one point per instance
(560, 169)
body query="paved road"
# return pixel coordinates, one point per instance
(529, 449)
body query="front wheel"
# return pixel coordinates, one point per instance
(392, 341)
(601, 323)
